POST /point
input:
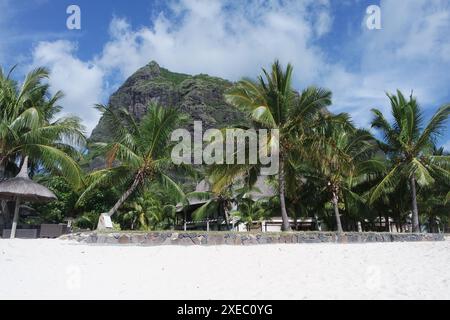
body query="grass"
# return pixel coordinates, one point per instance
(173, 77)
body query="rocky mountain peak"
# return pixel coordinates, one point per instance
(201, 97)
(154, 67)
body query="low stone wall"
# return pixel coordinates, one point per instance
(230, 238)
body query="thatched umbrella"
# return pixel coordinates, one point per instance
(22, 188)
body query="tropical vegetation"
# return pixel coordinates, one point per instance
(343, 177)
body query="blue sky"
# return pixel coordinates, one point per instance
(326, 40)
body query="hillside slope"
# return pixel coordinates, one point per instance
(200, 96)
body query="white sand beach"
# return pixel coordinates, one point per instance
(54, 269)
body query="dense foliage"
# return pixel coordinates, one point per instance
(343, 176)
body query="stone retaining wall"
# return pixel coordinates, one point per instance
(229, 238)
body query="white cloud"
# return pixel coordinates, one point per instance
(409, 53)
(81, 82)
(323, 23)
(233, 39)
(227, 38)
(223, 38)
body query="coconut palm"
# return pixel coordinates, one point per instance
(170, 197)
(28, 127)
(147, 212)
(250, 211)
(432, 203)
(342, 157)
(217, 204)
(139, 153)
(271, 103)
(409, 144)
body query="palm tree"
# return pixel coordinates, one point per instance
(148, 212)
(173, 196)
(271, 103)
(28, 128)
(138, 155)
(432, 203)
(217, 204)
(409, 146)
(342, 158)
(250, 211)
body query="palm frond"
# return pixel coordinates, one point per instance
(117, 176)
(434, 128)
(312, 100)
(386, 185)
(56, 160)
(205, 211)
(172, 187)
(421, 173)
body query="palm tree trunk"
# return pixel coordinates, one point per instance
(282, 181)
(336, 209)
(224, 213)
(4, 204)
(119, 203)
(2, 170)
(227, 219)
(415, 211)
(125, 196)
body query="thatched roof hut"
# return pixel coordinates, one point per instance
(22, 188)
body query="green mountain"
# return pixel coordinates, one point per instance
(200, 97)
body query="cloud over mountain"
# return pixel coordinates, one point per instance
(231, 39)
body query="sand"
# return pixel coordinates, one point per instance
(55, 269)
